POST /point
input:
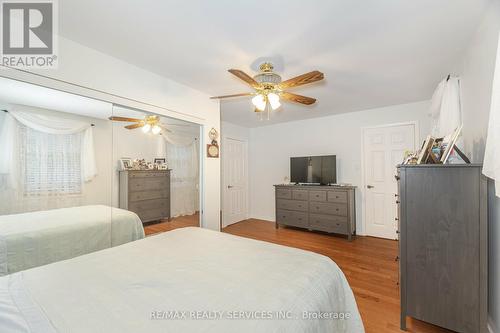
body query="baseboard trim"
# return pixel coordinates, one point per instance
(492, 328)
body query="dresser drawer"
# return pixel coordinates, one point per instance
(148, 195)
(300, 195)
(294, 219)
(148, 184)
(148, 174)
(328, 223)
(328, 208)
(297, 205)
(148, 205)
(337, 196)
(317, 195)
(283, 193)
(153, 214)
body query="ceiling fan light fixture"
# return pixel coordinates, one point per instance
(259, 102)
(146, 128)
(274, 100)
(156, 129)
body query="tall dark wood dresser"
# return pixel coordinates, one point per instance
(444, 245)
(146, 193)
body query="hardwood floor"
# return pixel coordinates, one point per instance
(176, 222)
(368, 263)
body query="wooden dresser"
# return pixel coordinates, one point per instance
(146, 193)
(444, 245)
(323, 208)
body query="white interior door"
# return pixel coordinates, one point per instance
(383, 149)
(235, 177)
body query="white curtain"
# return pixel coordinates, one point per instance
(445, 110)
(491, 165)
(182, 157)
(29, 135)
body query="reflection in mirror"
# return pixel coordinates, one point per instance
(157, 169)
(56, 178)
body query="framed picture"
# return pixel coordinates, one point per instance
(448, 144)
(160, 160)
(425, 150)
(126, 163)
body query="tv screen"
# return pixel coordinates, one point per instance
(313, 169)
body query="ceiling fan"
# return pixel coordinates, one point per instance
(269, 88)
(149, 123)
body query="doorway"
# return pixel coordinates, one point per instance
(383, 149)
(235, 181)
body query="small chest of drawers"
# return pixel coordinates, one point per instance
(146, 193)
(323, 208)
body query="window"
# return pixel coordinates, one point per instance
(50, 163)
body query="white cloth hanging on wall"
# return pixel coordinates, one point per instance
(45, 124)
(491, 165)
(445, 110)
(182, 157)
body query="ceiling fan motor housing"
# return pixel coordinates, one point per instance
(268, 78)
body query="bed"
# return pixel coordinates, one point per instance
(186, 280)
(33, 239)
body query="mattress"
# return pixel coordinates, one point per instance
(33, 239)
(186, 280)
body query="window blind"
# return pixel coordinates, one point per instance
(50, 163)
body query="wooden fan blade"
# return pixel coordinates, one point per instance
(229, 96)
(134, 126)
(298, 98)
(302, 79)
(125, 119)
(245, 77)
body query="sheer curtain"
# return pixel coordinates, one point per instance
(491, 165)
(182, 157)
(43, 161)
(445, 111)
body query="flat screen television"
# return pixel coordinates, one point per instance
(314, 169)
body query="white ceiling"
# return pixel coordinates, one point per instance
(373, 52)
(17, 92)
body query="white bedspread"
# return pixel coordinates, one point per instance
(186, 270)
(33, 239)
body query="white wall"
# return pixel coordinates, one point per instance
(272, 146)
(114, 80)
(233, 131)
(477, 80)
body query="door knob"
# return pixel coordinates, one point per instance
(370, 186)
(230, 186)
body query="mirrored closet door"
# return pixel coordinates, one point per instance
(55, 176)
(157, 162)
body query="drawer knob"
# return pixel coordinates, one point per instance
(398, 202)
